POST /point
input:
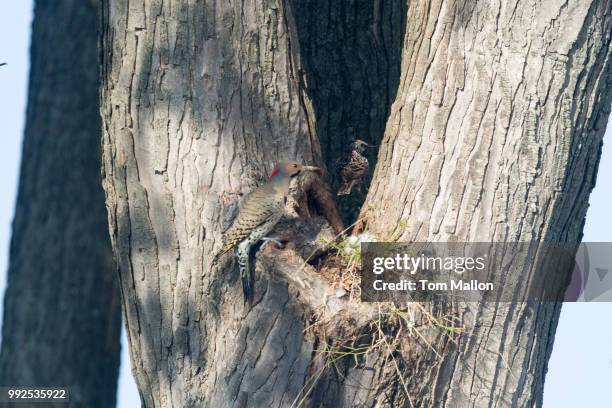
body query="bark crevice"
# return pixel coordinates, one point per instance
(207, 94)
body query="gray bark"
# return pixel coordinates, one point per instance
(199, 99)
(62, 310)
(495, 135)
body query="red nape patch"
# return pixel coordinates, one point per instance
(274, 173)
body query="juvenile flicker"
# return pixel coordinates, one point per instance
(261, 210)
(352, 166)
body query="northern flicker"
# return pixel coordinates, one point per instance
(352, 166)
(261, 210)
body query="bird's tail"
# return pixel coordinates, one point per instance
(247, 289)
(345, 188)
(244, 263)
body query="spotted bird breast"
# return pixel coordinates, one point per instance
(355, 168)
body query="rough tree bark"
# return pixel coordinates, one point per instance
(200, 98)
(62, 309)
(495, 136)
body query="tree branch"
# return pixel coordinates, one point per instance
(311, 196)
(313, 292)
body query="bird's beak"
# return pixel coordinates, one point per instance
(311, 168)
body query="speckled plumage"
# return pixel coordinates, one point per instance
(262, 207)
(259, 213)
(352, 166)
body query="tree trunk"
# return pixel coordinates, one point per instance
(199, 99)
(495, 136)
(62, 309)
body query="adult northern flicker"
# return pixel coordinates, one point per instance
(260, 211)
(352, 166)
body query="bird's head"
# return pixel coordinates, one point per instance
(359, 146)
(289, 169)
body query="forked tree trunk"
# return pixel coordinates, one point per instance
(62, 309)
(199, 99)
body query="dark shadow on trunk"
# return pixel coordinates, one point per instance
(350, 51)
